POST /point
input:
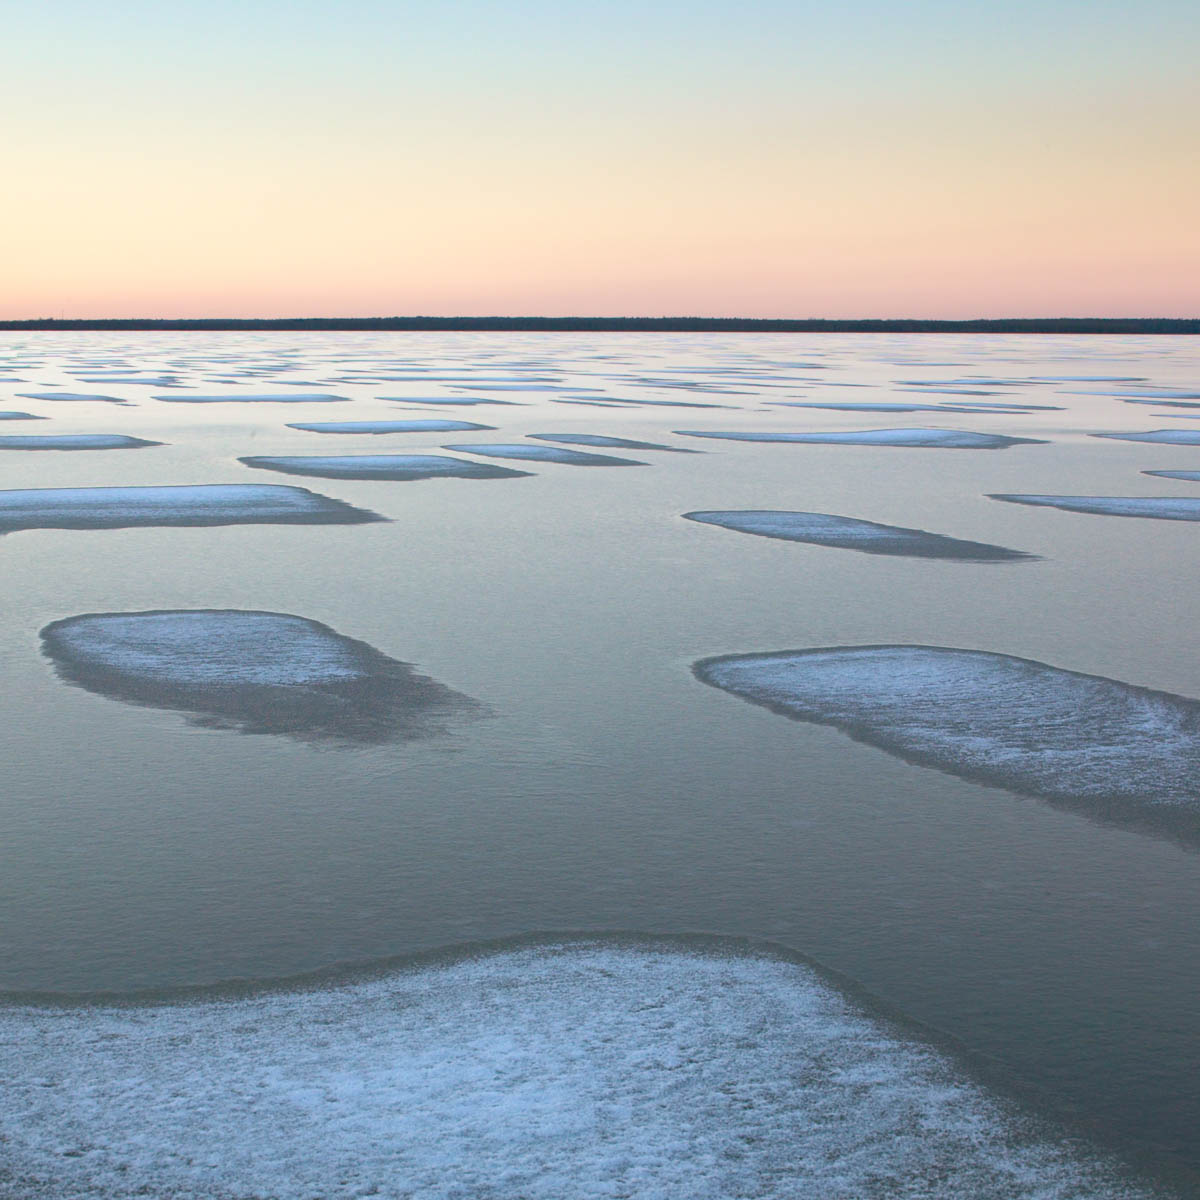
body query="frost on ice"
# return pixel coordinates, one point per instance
(381, 466)
(256, 672)
(203, 504)
(850, 533)
(1109, 748)
(585, 1069)
(1164, 508)
(940, 439)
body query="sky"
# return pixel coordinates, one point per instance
(379, 157)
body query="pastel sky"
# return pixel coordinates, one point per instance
(947, 158)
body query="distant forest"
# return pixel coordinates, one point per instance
(1117, 325)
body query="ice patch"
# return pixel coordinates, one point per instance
(1160, 402)
(12, 414)
(600, 439)
(551, 454)
(73, 441)
(1166, 437)
(1165, 508)
(849, 533)
(940, 439)
(418, 425)
(77, 397)
(204, 504)
(256, 672)
(572, 1071)
(422, 401)
(1114, 750)
(258, 398)
(380, 466)
(1190, 476)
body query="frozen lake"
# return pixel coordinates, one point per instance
(1052, 949)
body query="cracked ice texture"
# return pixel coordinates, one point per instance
(587, 1069)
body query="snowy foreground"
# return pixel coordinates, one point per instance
(579, 1070)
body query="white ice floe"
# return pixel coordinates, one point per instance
(73, 441)
(850, 533)
(256, 398)
(203, 504)
(1121, 750)
(1164, 508)
(380, 466)
(941, 439)
(551, 454)
(257, 672)
(1163, 437)
(417, 425)
(574, 1071)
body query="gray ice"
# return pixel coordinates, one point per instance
(1165, 508)
(551, 454)
(380, 466)
(940, 439)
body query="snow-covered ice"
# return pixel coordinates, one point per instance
(551, 454)
(203, 504)
(1164, 508)
(73, 441)
(257, 672)
(850, 533)
(941, 439)
(380, 466)
(1110, 747)
(576, 1070)
(417, 425)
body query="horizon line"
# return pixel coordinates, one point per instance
(1079, 325)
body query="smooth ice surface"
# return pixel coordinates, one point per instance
(600, 439)
(1166, 437)
(12, 414)
(204, 504)
(1166, 508)
(1111, 747)
(256, 398)
(380, 466)
(418, 425)
(81, 397)
(1190, 476)
(551, 454)
(73, 441)
(850, 533)
(550, 1072)
(941, 439)
(258, 672)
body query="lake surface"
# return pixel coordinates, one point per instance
(602, 786)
